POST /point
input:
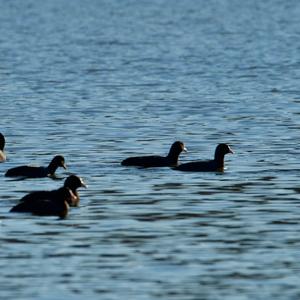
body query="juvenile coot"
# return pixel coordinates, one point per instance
(55, 204)
(2, 145)
(73, 182)
(171, 160)
(35, 172)
(215, 165)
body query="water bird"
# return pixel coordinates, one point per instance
(2, 145)
(72, 182)
(37, 172)
(55, 204)
(171, 160)
(214, 165)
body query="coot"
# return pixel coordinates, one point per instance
(214, 165)
(55, 204)
(73, 182)
(35, 172)
(171, 160)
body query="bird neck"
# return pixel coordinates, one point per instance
(173, 156)
(219, 159)
(52, 167)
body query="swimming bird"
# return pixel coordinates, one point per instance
(155, 160)
(214, 165)
(73, 182)
(2, 145)
(55, 204)
(36, 172)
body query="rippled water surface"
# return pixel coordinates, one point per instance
(98, 81)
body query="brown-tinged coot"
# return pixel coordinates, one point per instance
(55, 204)
(35, 172)
(73, 182)
(214, 165)
(2, 145)
(171, 160)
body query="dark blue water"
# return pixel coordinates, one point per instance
(97, 81)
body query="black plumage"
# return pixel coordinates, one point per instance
(73, 182)
(37, 172)
(214, 165)
(55, 204)
(171, 160)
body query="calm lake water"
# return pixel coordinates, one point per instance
(98, 81)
